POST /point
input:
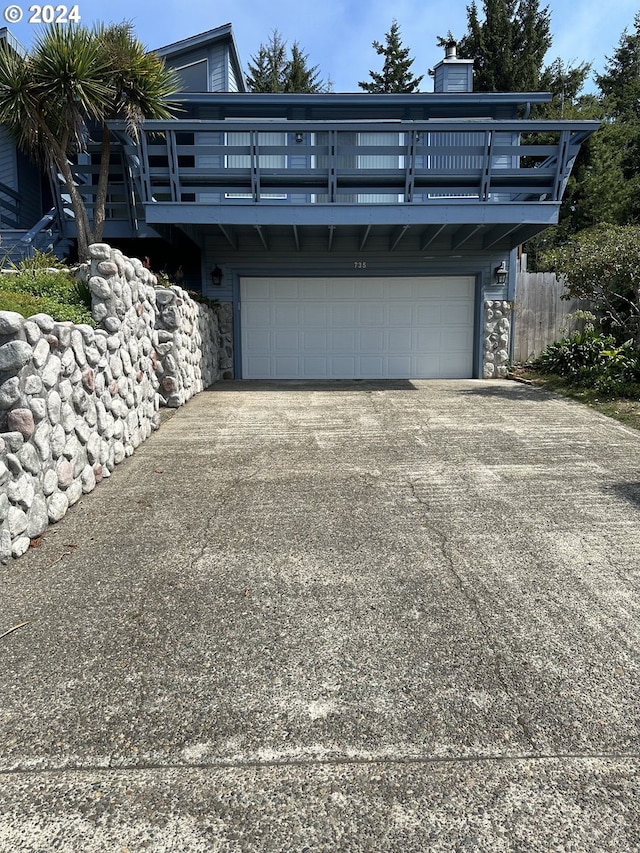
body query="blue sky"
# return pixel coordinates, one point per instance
(337, 34)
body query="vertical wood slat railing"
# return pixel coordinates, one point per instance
(539, 170)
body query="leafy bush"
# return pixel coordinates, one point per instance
(40, 261)
(602, 265)
(35, 288)
(592, 360)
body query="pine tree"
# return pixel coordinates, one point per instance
(395, 75)
(299, 76)
(620, 83)
(273, 71)
(508, 46)
(269, 69)
(620, 91)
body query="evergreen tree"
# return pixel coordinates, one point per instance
(268, 73)
(271, 70)
(395, 75)
(565, 82)
(508, 45)
(299, 76)
(620, 83)
(620, 98)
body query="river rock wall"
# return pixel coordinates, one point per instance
(76, 400)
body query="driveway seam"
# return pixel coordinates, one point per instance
(330, 762)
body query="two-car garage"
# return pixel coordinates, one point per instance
(418, 327)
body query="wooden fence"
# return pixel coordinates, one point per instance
(540, 315)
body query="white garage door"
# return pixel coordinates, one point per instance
(357, 328)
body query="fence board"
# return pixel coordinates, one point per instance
(540, 315)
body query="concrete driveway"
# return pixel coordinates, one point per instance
(335, 617)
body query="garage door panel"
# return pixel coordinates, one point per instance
(342, 289)
(457, 341)
(342, 367)
(343, 315)
(400, 366)
(456, 313)
(453, 367)
(286, 314)
(370, 340)
(343, 340)
(315, 314)
(258, 314)
(400, 340)
(401, 314)
(311, 290)
(374, 288)
(316, 341)
(371, 367)
(428, 340)
(286, 367)
(403, 327)
(286, 340)
(428, 364)
(401, 289)
(282, 289)
(371, 315)
(429, 314)
(259, 342)
(314, 366)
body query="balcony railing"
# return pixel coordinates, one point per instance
(239, 162)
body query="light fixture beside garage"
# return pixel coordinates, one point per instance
(501, 273)
(299, 137)
(216, 276)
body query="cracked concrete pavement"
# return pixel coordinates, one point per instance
(335, 616)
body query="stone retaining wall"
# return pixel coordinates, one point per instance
(75, 401)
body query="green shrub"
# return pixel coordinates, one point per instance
(40, 261)
(33, 288)
(592, 360)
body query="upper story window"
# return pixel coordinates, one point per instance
(195, 76)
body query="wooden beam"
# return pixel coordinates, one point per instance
(398, 237)
(228, 235)
(463, 235)
(498, 233)
(262, 237)
(429, 235)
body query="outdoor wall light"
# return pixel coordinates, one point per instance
(299, 137)
(501, 273)
(216, 276)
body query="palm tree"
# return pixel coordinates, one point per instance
(75, 79)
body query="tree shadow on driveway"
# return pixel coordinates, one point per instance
(629, 491)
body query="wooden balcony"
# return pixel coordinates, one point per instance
(243, 171)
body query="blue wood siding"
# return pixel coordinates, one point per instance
(218, 61)
(453, 77)
(206, 68)
(233, 85)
